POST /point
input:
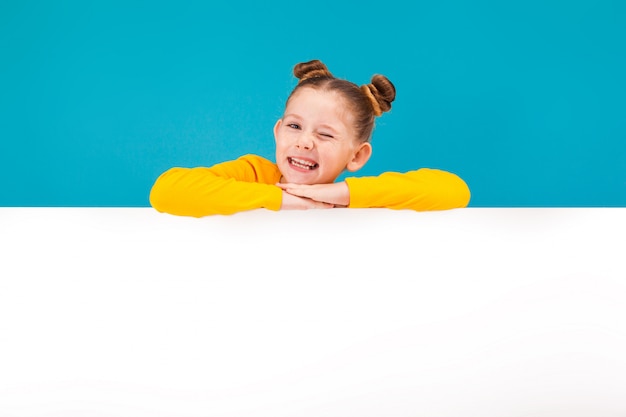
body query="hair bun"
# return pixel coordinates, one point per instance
(381, 93)
(312, 69)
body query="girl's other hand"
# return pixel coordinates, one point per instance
(293, 202)
(335, 194)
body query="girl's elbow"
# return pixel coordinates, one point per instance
(157, 198)
(464, 194)
(160, 194)
(451, 194)
(461, 195)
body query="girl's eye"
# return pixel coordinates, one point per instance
(326, 135)
(293, 126)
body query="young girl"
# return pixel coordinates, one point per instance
(325, 130)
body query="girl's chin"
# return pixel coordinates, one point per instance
(298, 177)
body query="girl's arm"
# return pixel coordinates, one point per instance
(226, 188)
(424, 189)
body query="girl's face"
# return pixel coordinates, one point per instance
(315, 142)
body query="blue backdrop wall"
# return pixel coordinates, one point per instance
(524, 99)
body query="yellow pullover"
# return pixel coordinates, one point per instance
(249, 183)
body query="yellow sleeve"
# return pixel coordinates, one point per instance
(226, 188)
(421, 190)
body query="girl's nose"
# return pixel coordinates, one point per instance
(305, 141)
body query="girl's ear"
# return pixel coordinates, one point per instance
(276, 127)
(360, 157)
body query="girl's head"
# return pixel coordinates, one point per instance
(327, 124)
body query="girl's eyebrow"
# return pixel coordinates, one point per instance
(329, 127)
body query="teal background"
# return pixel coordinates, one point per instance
(525, 99)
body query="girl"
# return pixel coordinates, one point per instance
(325, 130)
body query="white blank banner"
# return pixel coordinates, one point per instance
(471, 312)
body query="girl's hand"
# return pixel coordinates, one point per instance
(293, 202)
(335, 194)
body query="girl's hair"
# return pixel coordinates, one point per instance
(366, 102)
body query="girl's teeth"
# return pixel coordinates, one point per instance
(302, 164)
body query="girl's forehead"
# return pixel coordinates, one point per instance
(310, 98)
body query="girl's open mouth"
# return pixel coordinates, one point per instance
(303, 164)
